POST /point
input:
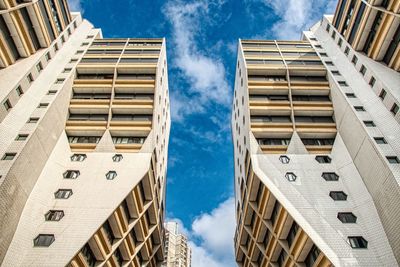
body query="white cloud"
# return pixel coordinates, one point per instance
(205, 73)
(297, 15)
(75, 5)
(214, 233)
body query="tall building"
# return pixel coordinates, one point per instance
(84, 129)
(316, 135)
(177, 250)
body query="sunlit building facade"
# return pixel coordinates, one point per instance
(84, 129)
(177, 251)
(316, 154)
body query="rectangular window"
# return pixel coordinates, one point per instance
(33, 120)
(43, 105)
(394, 109)
(346, 51)
(393, 159)
(342, 83)
(335, 72)
(380, 140)
(39, 67)
(350, 95)
(73, 60)
(359, 108)
(333, 35)
(329, 63)
(328, 27)
(7, 105)
(8, 156)
(52, 92)
(59, 81)
(382, 94)
(363, 70)
(340, 42)
(323, 54)
(19, 90)
(21, 137)
(369, 123)
(30, 78)
(66, 70)
(354, 60)
(48, 56)
(372, 81)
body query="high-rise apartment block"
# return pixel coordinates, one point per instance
(316, 142)
(84, 129)
(177, 250)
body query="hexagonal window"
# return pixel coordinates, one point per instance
(78, 157)
(111, 175)
(358, 242)
(284, 159)
(54, 215)
(43, 240)
(347, 217)
(63, 193)
(323, 159)
(338, 195)
(117, 157)
(290, 176)
(330, 176)
(71, 174)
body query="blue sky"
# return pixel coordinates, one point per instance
(202, 41)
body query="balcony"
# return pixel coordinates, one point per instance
(271, 126)
(313, 108)
(269, 106)
(128, 143)
(83, 143)
(141, 106)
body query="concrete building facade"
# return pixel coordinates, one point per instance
(177, 250)
(315, 129)
(84, 129)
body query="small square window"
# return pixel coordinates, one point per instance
(338, 195)
(19, 90)
(59, 81)
(382, 94)
(78, 157)
(39, 67)
(48, 56)
(54, 215)
(43, 240)
(117, 157)
(369, 123)
(350, 95)
(33, 120)
(66, 70)
(323, 54)
(335, 72)
(30, 78)
(343, 83)
(52, 92)
(318, 46)
(43, 105)
(340, 41)
(84, 44)
(71, 174)
(7, 105)
(284, 159)
(380, 140)
(354, 60)
(290, 176)
(358, 242)
(313, 39)
(394, 109)
(393, 159)
(323, 159)
(346, 51)
(63, 193)
(330, 176)
(347, 217)
(21, 137)
(372, 81)
(363, 70)
(73, 60)
(79, 52)
(90, 36)
(8, 156)
(111, 175)
(329, 63)
(359, 108)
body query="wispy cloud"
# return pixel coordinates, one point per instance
(211, 236)
(75, 5)
(204, 73)
(296, 16)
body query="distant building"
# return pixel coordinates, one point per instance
(177, 251)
